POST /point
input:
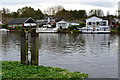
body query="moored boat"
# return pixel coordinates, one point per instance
(46, 28)
(4, 29)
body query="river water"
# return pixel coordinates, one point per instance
(95, 54)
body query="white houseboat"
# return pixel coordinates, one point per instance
(46, 28)
(96, 25)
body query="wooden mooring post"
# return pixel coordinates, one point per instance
(34, 47)
(24, 47)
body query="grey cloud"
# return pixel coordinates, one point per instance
(20, 2)
(99, 4)
(12, 3)
(86, 2)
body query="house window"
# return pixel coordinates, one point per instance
(104, 23)
(98, 23)
(93, 22)
(89, 23)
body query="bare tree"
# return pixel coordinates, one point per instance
(96, 12)
(53, 10)
(108, 13)
(5, 11)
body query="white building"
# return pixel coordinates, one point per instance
(62, 24)
(95, 22)
(21, 22)
(0, 22)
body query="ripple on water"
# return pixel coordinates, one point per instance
(88, 53)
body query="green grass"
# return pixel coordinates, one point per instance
(15, 70)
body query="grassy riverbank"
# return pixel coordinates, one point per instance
(15, 70)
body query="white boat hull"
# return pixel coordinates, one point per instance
(95, 32)
(4, 30)
(47, 30)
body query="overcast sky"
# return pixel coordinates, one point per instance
(105, 5)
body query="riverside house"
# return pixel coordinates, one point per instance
(95, 22)
(46, 21)
(96, 25)
(21, 22)
(62, 24)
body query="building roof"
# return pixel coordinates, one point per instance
(41, 21)
(20, 20)
(92, 19)
(62, 22)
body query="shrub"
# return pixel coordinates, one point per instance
(82, 24)
(119, 28)
(4, 26)
(18, 27)
(73, 28)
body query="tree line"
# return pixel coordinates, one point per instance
(23, 12)
(55, 11)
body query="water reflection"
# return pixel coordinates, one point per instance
(119, 57)
(95, 54)
(61, 44)
(91, 53)
(10, 46)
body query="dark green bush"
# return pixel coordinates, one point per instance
(82, 24)
(119, 28)
(73, 28)
(4, 26)
(18, 27)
